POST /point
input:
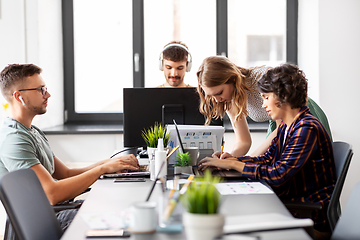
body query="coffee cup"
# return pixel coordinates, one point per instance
(194, 154)
(143, 217)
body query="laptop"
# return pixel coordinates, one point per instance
(142, 172)
(231, 174)
(227, 174)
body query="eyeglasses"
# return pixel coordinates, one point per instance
(42, 89)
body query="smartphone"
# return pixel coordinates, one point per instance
(111, 233)
(137, 179)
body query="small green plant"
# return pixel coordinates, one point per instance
(182, 160)
(152, 135)
(202, 197)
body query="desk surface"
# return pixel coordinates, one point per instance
(107, 196)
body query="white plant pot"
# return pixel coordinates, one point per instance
(151, 152)
(203, 226)
(187, 169)
(151, 155)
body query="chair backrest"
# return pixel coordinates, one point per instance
(27, 206)
(342, 157)
(348, 226)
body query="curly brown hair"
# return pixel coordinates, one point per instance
(287, 82)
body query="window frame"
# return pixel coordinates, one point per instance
(71, 116)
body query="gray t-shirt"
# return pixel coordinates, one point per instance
(22, 147)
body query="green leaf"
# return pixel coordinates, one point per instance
(153, 133)
(182, 160)
(202, 195)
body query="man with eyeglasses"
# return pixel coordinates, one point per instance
(23, 145)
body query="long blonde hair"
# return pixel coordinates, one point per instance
(217, 70)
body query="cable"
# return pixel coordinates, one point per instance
(125, 149)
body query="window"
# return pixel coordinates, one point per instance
(113, 44)
(102, 70)
(257, 32)
(178, 20)
(265, 50)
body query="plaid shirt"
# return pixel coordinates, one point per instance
(301, 168)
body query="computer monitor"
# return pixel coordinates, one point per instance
(145, 106)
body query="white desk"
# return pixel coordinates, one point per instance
(107, 196)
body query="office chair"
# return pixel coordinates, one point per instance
(342, 158)
(27, 206)
(65, 205)
(347, 227)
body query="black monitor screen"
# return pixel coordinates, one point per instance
(145, 106)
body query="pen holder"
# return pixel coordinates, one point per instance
(166, 217)
(179, 170)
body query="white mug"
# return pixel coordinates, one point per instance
(143, 217)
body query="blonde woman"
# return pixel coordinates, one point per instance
(227, 88)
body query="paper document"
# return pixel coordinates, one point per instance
(170, 184)
(103, 220)
(232, 188)
(261, 222)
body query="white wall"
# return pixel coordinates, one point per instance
(84, 149)
(329, 50)
(12, 41)
(31, 33)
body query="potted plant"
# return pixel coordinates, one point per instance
(152, 135)
(201, 201)
(182, 163)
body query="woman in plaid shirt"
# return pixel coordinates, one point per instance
(299, 163)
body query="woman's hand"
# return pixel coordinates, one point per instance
(217, 163)
(223, 156)
(216, 154)
(228, 163)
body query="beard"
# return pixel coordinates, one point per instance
(37, 110)
(177, 82)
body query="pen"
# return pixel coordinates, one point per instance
(174, 187)
(222, 148)
(183, 189)
(157, 178)
(172, 151)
